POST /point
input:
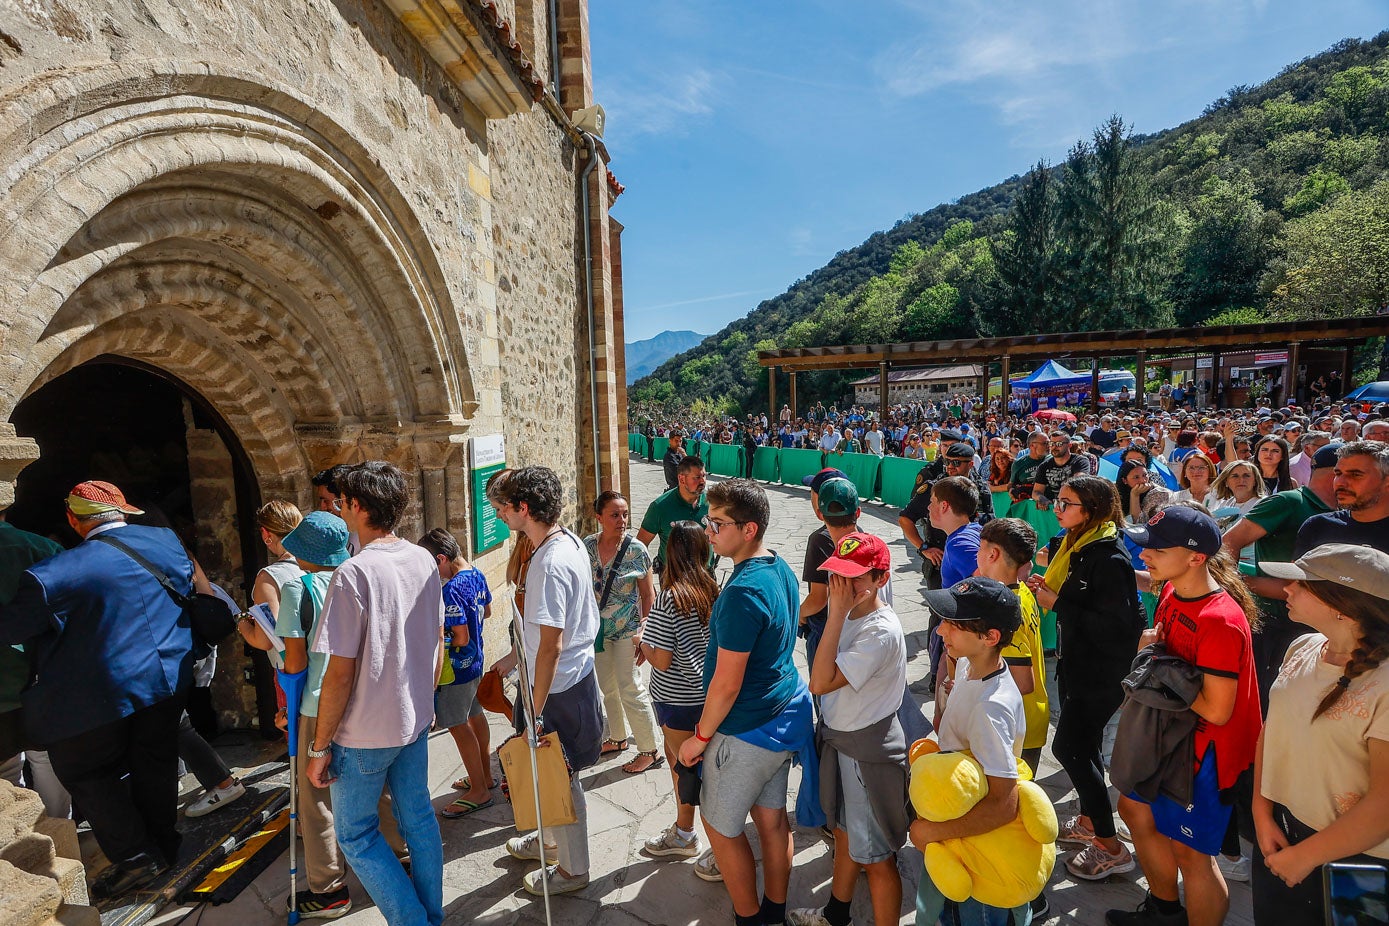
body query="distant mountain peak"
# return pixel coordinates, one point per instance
(645, 356)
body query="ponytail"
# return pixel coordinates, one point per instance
(1225, 571)
(1370, 651)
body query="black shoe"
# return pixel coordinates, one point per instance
(1146, 915)
(326, 906)
(1041, 908)
(127, 876)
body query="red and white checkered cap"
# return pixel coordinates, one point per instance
(95, 497)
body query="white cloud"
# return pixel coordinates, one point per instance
(663, 103)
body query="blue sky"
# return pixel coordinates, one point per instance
(757, 139)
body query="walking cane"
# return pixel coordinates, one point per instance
(293, 685)
(533, 742)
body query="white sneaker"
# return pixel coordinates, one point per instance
(215, 799)
(670, 842)
(806, 916)
(706, 868)
(527, 848)
(556, 882)
(1236, 870)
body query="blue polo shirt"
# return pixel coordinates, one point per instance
(756, 614)
(961, 555)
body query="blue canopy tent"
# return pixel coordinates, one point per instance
(1046, 386)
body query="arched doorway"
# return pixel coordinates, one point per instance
(172, 454)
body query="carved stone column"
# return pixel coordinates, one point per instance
(15, 453)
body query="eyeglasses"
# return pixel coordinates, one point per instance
(1061, 505)
(715, 526)
(337, 503)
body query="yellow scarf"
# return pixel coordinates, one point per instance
(1060, 565)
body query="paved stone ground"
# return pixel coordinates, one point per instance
(482, 884)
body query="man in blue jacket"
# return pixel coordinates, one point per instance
(111, 654)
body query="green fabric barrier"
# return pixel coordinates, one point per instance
(861, 468)
(725, 460)
(797, 464)
(898, 479)
(631, 441)
(1002, 502)
(1044, 523)
(766, 463)
(699, 448)
(662, 445)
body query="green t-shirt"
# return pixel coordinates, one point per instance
(668, 508)
(288, 625)
(18, 551)
(1280, 515)
(1024, 471)
(756, 613)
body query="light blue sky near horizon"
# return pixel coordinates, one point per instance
(757, 140)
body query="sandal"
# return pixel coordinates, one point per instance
(461, 808)
(612, 747)
(656, 761)
(464, 784)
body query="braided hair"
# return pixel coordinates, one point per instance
(1372, 619)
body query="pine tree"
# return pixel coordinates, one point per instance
(1024, 257)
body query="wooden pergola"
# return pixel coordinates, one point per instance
(1140, 343)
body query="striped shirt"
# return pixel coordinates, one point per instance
(686, 638)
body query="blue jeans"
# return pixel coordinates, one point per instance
(932, 908)
(361, 774)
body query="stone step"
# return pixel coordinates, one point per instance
(71, 876)
(64, 836)
(74, 915)
(25, 899)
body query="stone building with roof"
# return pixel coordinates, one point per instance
(246, 241)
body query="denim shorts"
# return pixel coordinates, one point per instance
(678, 716)
(737, 776)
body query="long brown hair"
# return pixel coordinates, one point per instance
(1099, 499)
(1371, 616)
(685, 571)
(1225, 570)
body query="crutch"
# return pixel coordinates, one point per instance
(533, 742)
(293, 685)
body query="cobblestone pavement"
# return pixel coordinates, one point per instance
(482, 883)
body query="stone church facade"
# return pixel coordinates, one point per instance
(335, 229)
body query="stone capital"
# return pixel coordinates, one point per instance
(15, 453)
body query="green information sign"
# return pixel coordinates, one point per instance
(488, 459)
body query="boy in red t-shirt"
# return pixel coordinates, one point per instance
(1203, 618)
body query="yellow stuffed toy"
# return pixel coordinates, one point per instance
(1003, 868)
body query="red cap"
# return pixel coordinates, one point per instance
(93, 497)
(856, 554)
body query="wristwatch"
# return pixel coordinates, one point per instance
(323, 753)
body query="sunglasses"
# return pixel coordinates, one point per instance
(715, 526)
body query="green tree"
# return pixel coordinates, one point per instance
(1227, 247)
(1116, 237)
(1024, 257)
(931, 314)
(1320, 187)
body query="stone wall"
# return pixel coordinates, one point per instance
(42, 881)
(303, 213)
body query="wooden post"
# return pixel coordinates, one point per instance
(792, 375)
(1346, 372)
(882, 390)
(1217, 374)
(984, 386)
(1141, 375)
(1095, 384)
(1290, 378)
(771, 395)
(1006, 393)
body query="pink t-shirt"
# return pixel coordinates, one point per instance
(385, 608)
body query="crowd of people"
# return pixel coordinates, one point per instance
(1235, 564)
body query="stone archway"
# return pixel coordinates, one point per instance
(228, 233)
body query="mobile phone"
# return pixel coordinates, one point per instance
(1355, 893)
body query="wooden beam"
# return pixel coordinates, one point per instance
(1095, 385)
(882, 390)
(794, 411)
(771, 395)
(1140, 398)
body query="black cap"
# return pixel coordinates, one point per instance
(1178, 526)
(988, 601)
(950, 434)
(959, 451)
(1326, 457)
(815, 480)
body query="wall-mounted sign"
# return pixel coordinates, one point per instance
(487, 458)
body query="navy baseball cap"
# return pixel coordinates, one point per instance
(977, 598)
(1178, 526)
(815, 480)
(1326, 457)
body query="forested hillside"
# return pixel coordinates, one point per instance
(1273, 204)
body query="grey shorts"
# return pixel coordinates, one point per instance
(455, 704)
(738, 775)
(868, 843)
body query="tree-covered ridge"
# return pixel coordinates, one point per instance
(1274, 203)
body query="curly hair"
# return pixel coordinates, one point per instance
(1371, 649)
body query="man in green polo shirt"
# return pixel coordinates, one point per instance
(1271, 526)
(685, 502)
(18, 551)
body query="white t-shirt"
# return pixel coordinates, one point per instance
(873, 657)
(385, 608)
(986, 717)
(559, 593)
(874, 439)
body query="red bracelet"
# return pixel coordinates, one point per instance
(702, 739)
